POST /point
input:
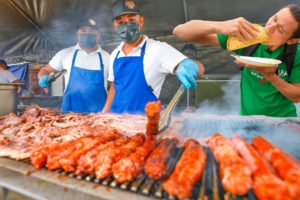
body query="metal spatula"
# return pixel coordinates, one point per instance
(166, 115)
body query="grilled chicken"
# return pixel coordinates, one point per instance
(153, 113)
(155, 166)
(235, 174)
(129, 167)
(105, 159)
(266, 184)
(87, 162)
(286, 167)
(187, 172)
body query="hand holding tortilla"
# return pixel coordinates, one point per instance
(234, 43)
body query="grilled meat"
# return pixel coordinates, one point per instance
(87, 162)
(187, 172)
(69, 161)
(155, 166)
(235, 174)
(153, 113)
(131, 166)
(266, 184)
(105, 160)
(286, 167)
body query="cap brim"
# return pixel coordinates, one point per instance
(124, 13)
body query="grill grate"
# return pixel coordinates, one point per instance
(208, 187)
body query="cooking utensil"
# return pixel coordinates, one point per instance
(166, 115)
(53, 76)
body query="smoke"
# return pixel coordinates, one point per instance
(222, 116)
(229, 103)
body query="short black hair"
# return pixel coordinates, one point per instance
(295, 10)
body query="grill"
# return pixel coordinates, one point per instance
(43, 184)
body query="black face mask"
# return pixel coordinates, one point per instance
(88, 40)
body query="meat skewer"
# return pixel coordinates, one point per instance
(129, 167)
(266, 184)
(69, 161)
(187, 171)
(86, 163)
(153, 114)
(155, 166)
(235, 174)
(285, 166)
(53, 158)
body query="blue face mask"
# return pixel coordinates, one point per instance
(88, 40)
(129, 32)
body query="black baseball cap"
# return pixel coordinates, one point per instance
(121, 7)
(3, 62)
(90, 22)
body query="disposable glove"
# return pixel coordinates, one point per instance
(43, 82)
(187, 72)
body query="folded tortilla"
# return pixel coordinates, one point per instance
(234, 43)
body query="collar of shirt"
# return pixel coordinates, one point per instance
(136, 49)
(80, 49)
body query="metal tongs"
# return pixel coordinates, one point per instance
(53, 76)
(166, 115)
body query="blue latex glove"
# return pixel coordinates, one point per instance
(187, 72)
(43, 82)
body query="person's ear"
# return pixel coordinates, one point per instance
(293, 41)
(142, 20)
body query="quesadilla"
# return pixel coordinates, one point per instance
(234, 43)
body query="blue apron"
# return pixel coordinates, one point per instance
(85, 91)
(131, 89)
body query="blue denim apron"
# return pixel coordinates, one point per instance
(131, 89)
(85, 92)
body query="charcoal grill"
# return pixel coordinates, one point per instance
(43, 184)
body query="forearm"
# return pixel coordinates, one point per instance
(199, 31)
(45, 71)
(290, 91)
(110, 98)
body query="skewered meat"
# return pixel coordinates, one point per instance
(105, 160)
(69, 160)
(187, 171)
(286, 167)
(129, 167)
(153, 113)
(53, 158)
(86, 163)
(155, 166)
(266, 184)
(235, 174)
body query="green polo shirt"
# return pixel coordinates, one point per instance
(262, 98)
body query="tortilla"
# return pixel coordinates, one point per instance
(234, 43)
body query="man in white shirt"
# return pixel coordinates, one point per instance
(87, 70)
(139, 65)
(5, 75)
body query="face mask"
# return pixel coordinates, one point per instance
(129, 32)
(88, 40)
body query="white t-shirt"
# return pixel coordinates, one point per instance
(7, 76)
(63, 60)
(160, 59)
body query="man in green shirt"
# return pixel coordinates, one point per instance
(263, 91)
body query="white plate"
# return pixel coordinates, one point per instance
(261, 62)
